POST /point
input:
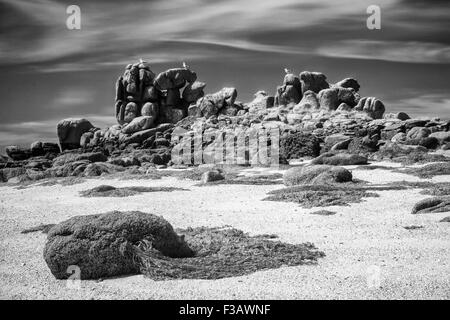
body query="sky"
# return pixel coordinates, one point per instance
(50, 72)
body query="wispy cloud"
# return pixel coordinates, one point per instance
(432, 104)
(124, 30)
(398, 51)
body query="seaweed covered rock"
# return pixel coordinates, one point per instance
(298, 145)
(102, 245)
(432, 205)
(339, 159)
(316, 174)
(70, 132)
(363, 145)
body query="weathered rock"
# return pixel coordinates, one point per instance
(139, 124)
(348, 83)
(150, 109)
(171, 115)
(287, 95)
(316, 174)
(173, 98)
(392, 150)
(399, 137)
(141, 136)
(333, 139)
(76, 157)
(339, 159)
(262, 101)
(210, 104)
(347, 96)
(10, 173)
(86, 139)
(174, 78)
(328, 99)
(150, 94)
(314, 81)
(298, 145)
(432, 205)
(343, 107)
(418, 133)
(362, 145)
(17, 153)
(372, 106)
(102, 245)
(442, 136)
(309, 102)
(70, 131)
(193, 91)
(411, 123)
(131, 112)
(429, 142)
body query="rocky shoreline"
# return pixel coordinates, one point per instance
(314, 118)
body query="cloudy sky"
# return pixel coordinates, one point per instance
(50, 72)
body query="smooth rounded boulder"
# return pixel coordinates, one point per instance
(102, 245)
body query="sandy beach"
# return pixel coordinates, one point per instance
(369, 253)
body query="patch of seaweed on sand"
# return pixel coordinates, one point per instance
(260, 179)
(429, 170)
(110, 191)
(313, 195)
(222, 253)
(48, 182)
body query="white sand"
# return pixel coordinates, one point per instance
(358, 241)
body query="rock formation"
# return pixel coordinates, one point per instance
(155, 110)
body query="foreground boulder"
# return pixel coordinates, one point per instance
(70, 132)
(316, 174)
(102, 245)
(432, 205)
